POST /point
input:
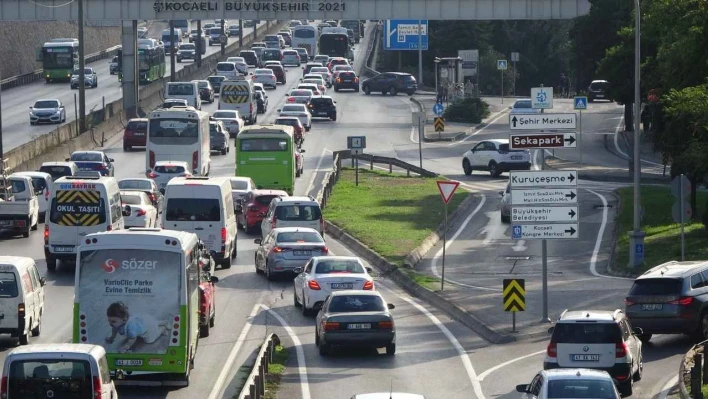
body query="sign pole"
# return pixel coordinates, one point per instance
(544, 257)
(513, 322)
(442, 280)
(514, 95)
(356, 170)
(421, 134)
(580, 137)
(502, 86)
(420, 53)
(683, 211)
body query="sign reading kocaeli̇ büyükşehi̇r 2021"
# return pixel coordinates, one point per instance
(263, 6)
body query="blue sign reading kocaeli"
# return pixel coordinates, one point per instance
(402, 34)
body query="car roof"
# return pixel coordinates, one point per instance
(58, 163)
(88, 152)
(321, 96)
(335, 257)
(134, 179)
(594, 315)
(599, 81)
(400, 73)
(673, 269)
(48, 99)
(498, 141)
(138, 120)
(269, 192)
(355, 292)
(580, 373)
(239, 178)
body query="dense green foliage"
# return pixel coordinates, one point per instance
(469, 110)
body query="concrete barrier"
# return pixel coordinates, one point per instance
(106, 123)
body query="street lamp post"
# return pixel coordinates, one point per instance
(437, 61)
(636, 236)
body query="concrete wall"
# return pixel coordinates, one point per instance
(21, 39)
(109, 122)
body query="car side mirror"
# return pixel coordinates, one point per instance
(353, 49)
(213, 279)
(369, 270)
(297, 270)
(550, 330)
(510, 107)
(391, 306)
(278, 110)
(257, 241)
(638, 331)
(523, 388)
(43, 281)
(287, 95)
(127, 211)
(62, 106)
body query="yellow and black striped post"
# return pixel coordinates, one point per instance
(439, 124)
(514, 298)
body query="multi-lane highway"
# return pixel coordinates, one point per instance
(16, 101)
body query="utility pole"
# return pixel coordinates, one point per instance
(173, 51)
(240, 34)
(420, 53)
(223, 43)
(636, 236)
(199, 43)
(82, 76)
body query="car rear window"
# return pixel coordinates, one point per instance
(407, 78)
(287, 122)
(321, 101)
(225, 67)
(8, 285)
(505, 148)
(299, 237)
(137, 126)
(522, 104)
(598, 85)
(338, 266)
(64, 378)
(656, 286)
(193, 210)
(586, 333)
(305, 213)
(169, 169)
(356, 303)
(347, 75)
(87, 157)
(56, 171)
(134, 185)
(264, 199)
(239, 185)
(580, 389)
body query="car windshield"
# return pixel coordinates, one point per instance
(343, 68)
(299, 237)
(46, 104)
(290, 52)
(239, 185)
(347, 75)
(303, 213)
(581, 389)
(315, 82)
(225, 114)
(523, 104)
(339, 266)
(87, 157)
(356, 303)
(169, 169)
(187, 46)
(134, 185)
(130, 199)
(586, 333)
(321, 101)
(293, 108)
(87, 71)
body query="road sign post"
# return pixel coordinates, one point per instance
(542, 141)
(514, 298)
(447, 189)
(356, 145)
(501, 66)
(403, 34)
(514, 59)
(542, 121)
(580, 103)
(681, 210)
(542, 97)
(419, 120)
(439, 125)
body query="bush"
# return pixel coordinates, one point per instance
(469, 110)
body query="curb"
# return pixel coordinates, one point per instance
(456, 137)
(396, 275)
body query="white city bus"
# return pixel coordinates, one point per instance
(179, 134)
(305, 36)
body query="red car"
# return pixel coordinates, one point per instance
(253, 206)
(297, 126)
(135, 134)
(337, 61)
(279, 72)
(207, 295)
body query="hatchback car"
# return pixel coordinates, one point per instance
(308, 67)
(291, 57)
(324, 73)
(93, 161)
(252, 208)
(598, 90)
(346, 80)
(334, 61)
(233, 30)
(302, 53)
(90, 78)
(355, 318)
(495, 157)
(266, 77)
(299, 96)
(59, 169)
(146, 186)
(206, 92)
(231, 119)
(218, 137)
(215, 81)
(319, 86)
(142, 212)
(164, 171)
(570, 383)
(49, 110)
(599, 340)
(323, 107)
(286, 249)
(391, 83)
(279, 72)
(135, 133)
(523, 106)
(240, 188)
(299, 111)
(320, 59)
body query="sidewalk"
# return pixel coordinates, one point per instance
(454, 131)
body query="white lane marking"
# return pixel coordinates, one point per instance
(461, 353)
(311, 184)
(434, 261)
(617, 147)
(492, 230)
(302, 368)
(670, 384)
(534, 160)
(520, 246)
(414, 128)
(221, 380)
(598, 241)
(486, 373)
(496, 117)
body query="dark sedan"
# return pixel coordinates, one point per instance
(96, 161)
(206, 92)
(355, 318)
(346, 80)
(215, 81)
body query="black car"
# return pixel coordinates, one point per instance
(323, 107)
(261, 101)
(346, 80)
(215, 81)
(206, 92)
(271, 54)
(598, 90)
(250, 57)
(391, 82)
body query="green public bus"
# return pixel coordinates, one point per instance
(59, 58)
(266, 154)
(151, 62)
(137, 295)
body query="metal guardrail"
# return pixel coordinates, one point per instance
(254, 388)
(375, 159)
(371, 50)
(330, 179)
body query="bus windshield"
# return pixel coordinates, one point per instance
(304, 33)
(58, 57)
(173, 131)
(139, 295)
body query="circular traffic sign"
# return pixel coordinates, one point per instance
(223, 39)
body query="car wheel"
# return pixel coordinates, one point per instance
(391, 349)
(466, 167)
(267, 272)
(37, 330)
(126, 148)
(255, 262)
(24, 338)
(356, 90)
(32, 123)
(212, 319)
(494, 170)
(226, 263)
(336, 90)
(297, 172)
(324, 349)
(51, 264)
(384, 92)
(317, 337)
(367, 91)
(223, 152)
(334, 118)
(645, 337)
(627, 388)
(393, 91)
(305, 311)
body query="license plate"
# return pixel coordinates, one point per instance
(347, 81)
(586, 358)
(63, 248)
(600, 95)
(516, 157)
(359, 326)
(85, 168)
(652, 306)
(5, 223)
(129, 362)
(321, 113)
(139, 134)
(342, 286)
(302, 253)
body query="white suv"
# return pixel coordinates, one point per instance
(570, 383)
(293, 212)
(496, 157)
(597, 339)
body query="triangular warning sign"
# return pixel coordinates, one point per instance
(447, 188)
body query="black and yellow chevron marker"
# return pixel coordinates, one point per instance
(235, 94)
(69, 201)
(78, 196)
(514, 295)
(439, 124)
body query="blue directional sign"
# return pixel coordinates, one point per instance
(501, 65)
(402, 34)
(581, 102)
(516, 232)
(438, 109)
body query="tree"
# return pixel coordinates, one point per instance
(617, 67)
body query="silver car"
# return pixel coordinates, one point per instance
(506, 204)
(285, 249)
(90, 78)
(164, 171)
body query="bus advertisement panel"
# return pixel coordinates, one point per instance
(265, 153)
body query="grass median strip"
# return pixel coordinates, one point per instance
(389, 212)
(275, 372)
(663, 240)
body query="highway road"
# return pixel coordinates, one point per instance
(16, 101)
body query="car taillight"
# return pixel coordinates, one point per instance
(339, 80)
(356, 80)
(552, 350)
(21, 310)
(620, 349)
(628, 302)
(141, 212)
(152, 197)
(273, 222)
(109, 227)
(385, 325)
(223, 234)
(195, 160)
(97, 388)
(369, 285)
(330, 326)
(291, 99)
(3, 388)
(152, 159)
(324, 250)
(101, 167)
(46, 234)
(683, 301)
(46, 194)
(313, 285)
(322, 225)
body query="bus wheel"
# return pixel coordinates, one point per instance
(226, 263)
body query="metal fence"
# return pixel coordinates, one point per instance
(254, 388)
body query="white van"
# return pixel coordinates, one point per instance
(204, 206)
(21, 297)
(185, 90)
(79, 205)
(44, 182)
(57, 371)
(237, 95)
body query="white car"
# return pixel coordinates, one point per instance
(299, 111)
(316, 88)
(324, 274)
(142, 212)
(336, 70)
(259, 87)
(232, 121)
(273, 62)
(567, 383)
(495, 156)
(240, 63)
(321, 85)
(49, 110)
(324, 72)
(291, 57)
(266, 77)
(164, 171)
(321, 59)
(299, 96)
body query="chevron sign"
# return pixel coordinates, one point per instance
(514, 295)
